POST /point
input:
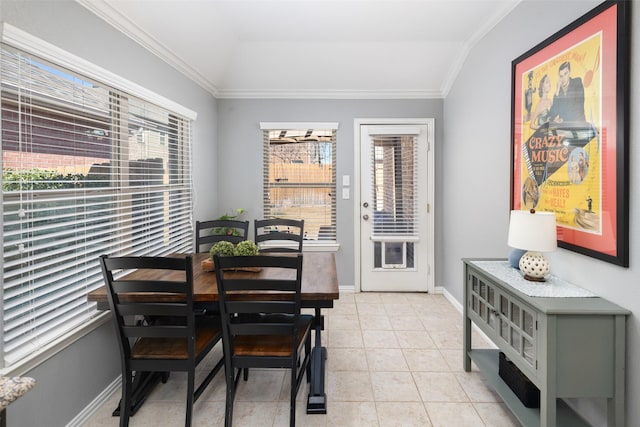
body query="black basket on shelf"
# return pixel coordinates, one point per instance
(518, 382)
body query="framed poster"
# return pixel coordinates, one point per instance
(569, 129)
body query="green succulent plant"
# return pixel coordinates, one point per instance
(246, 248)
(222, 248)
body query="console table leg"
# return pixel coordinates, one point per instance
(466, 345)
(548, 412)
(615, 405)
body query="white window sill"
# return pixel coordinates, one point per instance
(307, 246)
(321, 247)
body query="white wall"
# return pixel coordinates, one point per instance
(69, 381)
(476, 171)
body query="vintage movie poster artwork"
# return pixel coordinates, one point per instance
(566, 140)
(560, 158)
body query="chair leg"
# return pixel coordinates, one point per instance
(125, 400)
(190, 391)
(228, 412)
(245, 374)
(294, 389)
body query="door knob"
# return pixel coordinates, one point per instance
(365, 217)
(365, 205)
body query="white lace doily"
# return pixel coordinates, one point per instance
(554, 287)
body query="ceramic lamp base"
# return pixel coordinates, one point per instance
(534, 266)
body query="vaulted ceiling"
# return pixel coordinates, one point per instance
(309, 48)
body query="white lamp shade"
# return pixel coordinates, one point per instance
(533, 231)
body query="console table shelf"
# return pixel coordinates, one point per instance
(487, 362)
(568, 346)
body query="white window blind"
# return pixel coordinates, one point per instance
(299, 178)
(87, 169)
(395, 185)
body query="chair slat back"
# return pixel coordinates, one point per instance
(145, 308)
(281, 231)
(248, 305)
(214, 231)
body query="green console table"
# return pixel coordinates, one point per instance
(567, 341)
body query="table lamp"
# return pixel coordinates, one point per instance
(534, 232)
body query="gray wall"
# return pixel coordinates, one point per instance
(68, 382)
(240, 152)
(476, 171)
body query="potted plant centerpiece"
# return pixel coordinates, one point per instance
(224, 248)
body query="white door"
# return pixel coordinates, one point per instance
(395, 233)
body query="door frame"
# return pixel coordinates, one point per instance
(430, 244)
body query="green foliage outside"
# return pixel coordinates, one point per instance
(43, 179)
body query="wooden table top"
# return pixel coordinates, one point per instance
(319, 279)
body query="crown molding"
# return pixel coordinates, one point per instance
(469, 44)
(120, 22)
(327, 94)
(109, 14)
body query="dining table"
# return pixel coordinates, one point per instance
(319, 290)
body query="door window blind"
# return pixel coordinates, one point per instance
(395, 186)
(299, 179)
(87, 169)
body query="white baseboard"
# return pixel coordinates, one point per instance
(351, 289)
(347, 289)
(454, 302)
(88, 412)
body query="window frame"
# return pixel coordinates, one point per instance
(308, 245)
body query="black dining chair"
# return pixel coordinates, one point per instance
(214, 231)
(158, 330)
(279, 234)
(261, 331)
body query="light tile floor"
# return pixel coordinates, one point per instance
(394, 359)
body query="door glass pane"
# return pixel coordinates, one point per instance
(474, 284)
(410, 258)
(483, 290)
(394, 185)
(377, 254)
